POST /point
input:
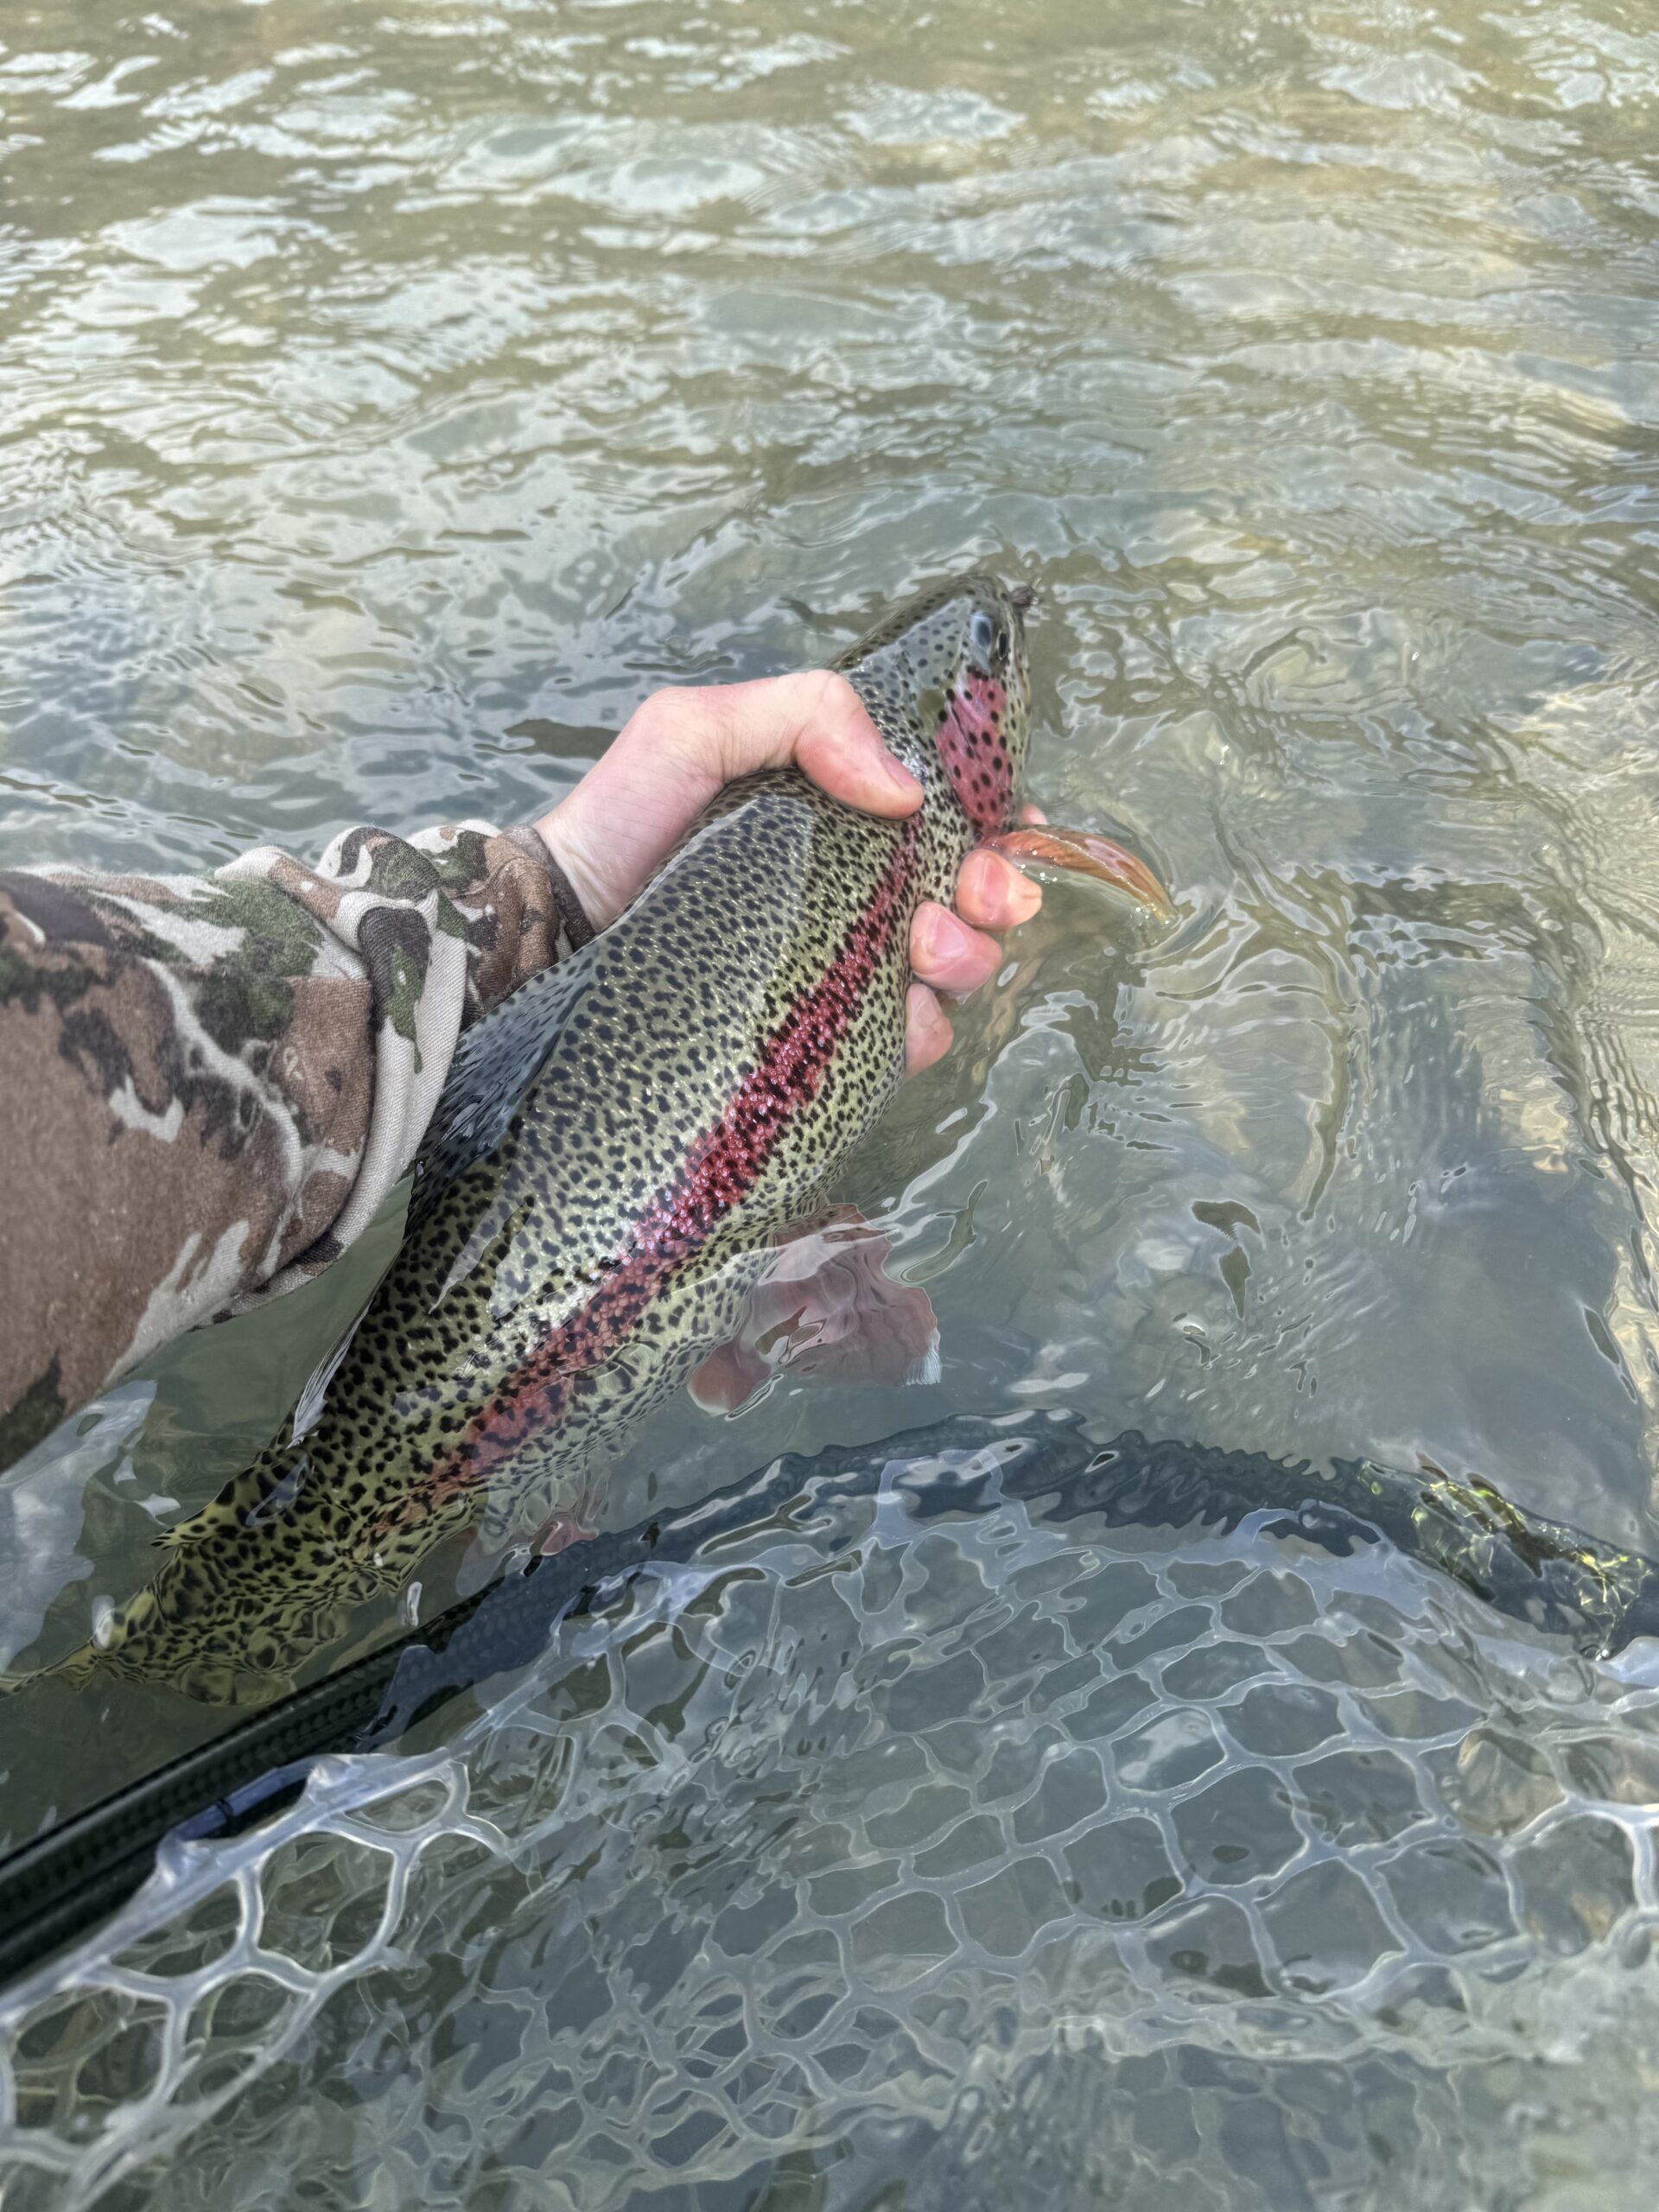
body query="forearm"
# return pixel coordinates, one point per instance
(212, 1084)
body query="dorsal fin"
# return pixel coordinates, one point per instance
(495, 1063)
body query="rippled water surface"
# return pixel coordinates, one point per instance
(389, 398)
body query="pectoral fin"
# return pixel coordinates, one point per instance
(826, 1310)
(1080, 852)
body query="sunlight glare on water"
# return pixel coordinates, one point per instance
(390, 397)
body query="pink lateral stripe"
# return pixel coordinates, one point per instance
(722, 1167)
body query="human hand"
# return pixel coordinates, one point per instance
(681, 746)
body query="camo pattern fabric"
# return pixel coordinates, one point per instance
(211, 1083)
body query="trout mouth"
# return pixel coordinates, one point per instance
(1037, 848)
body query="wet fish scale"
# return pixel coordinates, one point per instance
(619, 1146)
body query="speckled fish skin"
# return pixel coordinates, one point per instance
(618, 1144)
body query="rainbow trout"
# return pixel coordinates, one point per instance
(619, 1151)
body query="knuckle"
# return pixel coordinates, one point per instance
(832, 699)
(824, 700)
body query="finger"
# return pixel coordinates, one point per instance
(1035, 814)
(992, 895)
(815, 719)
(947, 954)
(675, 752)
(841, 749)
(927, 1034)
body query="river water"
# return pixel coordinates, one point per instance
(390, 397)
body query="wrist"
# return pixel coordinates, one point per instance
(569, 853)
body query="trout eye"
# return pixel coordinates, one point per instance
(988, 639)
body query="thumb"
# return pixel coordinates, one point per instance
(677, 751)
(817, 721)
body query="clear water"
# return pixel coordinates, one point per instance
(389, 398)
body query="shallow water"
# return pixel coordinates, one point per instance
(389, 399)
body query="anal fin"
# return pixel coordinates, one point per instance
(825, 1310)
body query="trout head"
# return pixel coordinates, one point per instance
(947, 681)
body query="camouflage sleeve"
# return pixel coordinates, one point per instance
(210, 1084)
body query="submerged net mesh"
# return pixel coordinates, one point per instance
(889, 1857)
